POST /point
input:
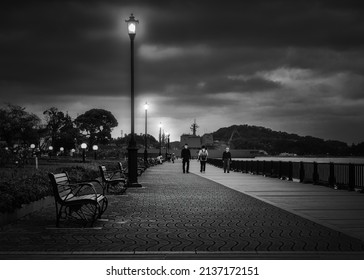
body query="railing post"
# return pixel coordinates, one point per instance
(271, 168)
(290, 171)
(264, 168)
(351, 177)
(302, 172)
(315, 175)
(280, 169)
(257, 167)
(332, 178)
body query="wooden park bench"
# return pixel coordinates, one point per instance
(124, 170)
(113, 178)
(77, 200)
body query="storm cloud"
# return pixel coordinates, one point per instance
(295, 66)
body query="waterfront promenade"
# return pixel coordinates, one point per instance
(186, 216)
(338, 209)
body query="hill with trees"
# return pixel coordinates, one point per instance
(276, 142)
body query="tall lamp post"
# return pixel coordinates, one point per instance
(168, 142)
(160, 139)
(167, 135)
(83, 147)
(132, 148)
(146, 106)
(95, 148)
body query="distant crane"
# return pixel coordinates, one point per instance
(194, 127)
(232, 135)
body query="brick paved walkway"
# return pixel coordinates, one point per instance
(178, 215)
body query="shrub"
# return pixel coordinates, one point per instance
(22, 186)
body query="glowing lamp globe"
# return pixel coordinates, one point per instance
(132, 22)
(83, 146)
(32, 146)
(95, 147)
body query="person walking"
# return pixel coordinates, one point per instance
(226, 158)
(173, 157)
(202, 157)
(186, 157)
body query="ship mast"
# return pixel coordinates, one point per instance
(194, 127)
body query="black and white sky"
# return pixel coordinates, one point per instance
(290, 65)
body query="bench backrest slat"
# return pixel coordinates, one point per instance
(61, 188)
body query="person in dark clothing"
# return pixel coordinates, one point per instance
(226, 158)
(186, 156)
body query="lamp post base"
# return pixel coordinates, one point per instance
(133, 167)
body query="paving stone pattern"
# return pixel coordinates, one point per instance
(178, 212)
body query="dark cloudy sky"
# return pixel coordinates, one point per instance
(295, 66)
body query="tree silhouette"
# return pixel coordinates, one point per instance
(96, 125)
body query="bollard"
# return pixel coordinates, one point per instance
(290, 171)
(315, 175)
(332, 178)
(302, 172)
(351, 185)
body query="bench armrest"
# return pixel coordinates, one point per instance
(82, 186)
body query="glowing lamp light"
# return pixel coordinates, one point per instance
(95, 147)
(146, 106)
(83, 146)
(32, 146)
(132, 22)
(50, 148)
(61, 149)
(73, 150)
(160, 125)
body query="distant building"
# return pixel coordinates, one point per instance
(193, 142)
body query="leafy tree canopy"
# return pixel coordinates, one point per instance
(97, 124)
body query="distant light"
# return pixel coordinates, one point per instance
(50, 148)
(160, 125)
(146, 106)
(73, 150)
(61, 149)
(83, 145)
(95, 147)
(32, 146)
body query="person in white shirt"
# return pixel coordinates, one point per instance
(202, 157)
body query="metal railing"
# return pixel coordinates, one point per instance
(338, 175)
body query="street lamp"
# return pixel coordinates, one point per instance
(132, 148)
(146, 106)
(61, 150)
(32, 146)
(83, 147)
(168, 134)
(95, 148)
(50, 149)
(160, 139)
